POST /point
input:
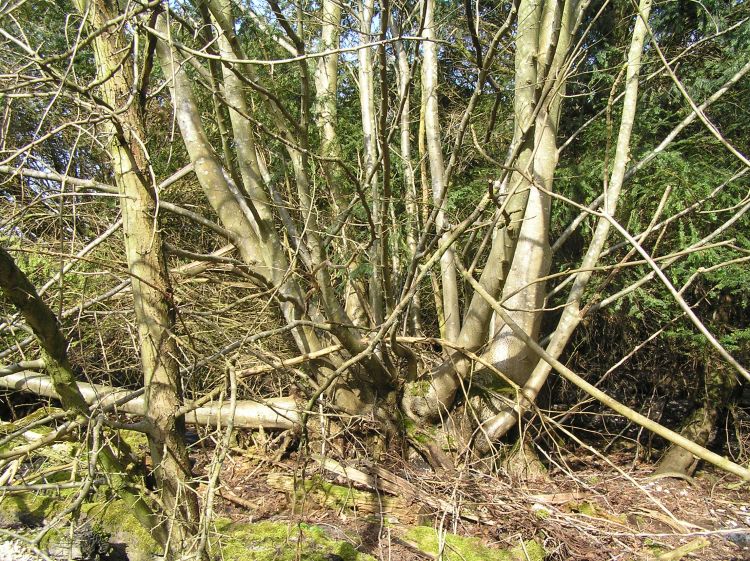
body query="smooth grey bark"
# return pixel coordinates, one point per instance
(298, 153)
(449, 283)
(610, 402)
(274, 413)
(325, 114)
(216, 183)
(326, 79)
(523, 294)
(498, 425)
(253, 243)
(252, 233)
(410, 183)
(542, 44)
(262, 216)
(366, 75)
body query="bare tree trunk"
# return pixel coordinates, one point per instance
(273, 413)
(252, 234)
(523, 294)
(258, 212)
(719, 384)
(325, 112)
(386, 265)
(297, 148)
(410, 184)
(451, 310)
(571, 317)
(218, 187)
(366, 75)
(326, 79)
(253, 243)
(426, 195)
(262, 219)
(150, 285)
(536, 106)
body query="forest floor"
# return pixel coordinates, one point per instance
(590, 509)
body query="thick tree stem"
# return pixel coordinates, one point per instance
(366, 74)
(412, 207)
(451, 310)
(719, 384)
(17, 288)
(542, 43)
(150, 286)
(497, 426)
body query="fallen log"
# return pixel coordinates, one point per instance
(382, 480)
(274, 413)
(339, 497)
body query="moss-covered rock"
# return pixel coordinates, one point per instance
(113, 518)
(30, 512)
(280, 541)
(277, 541)
(125, 532)
(27, 510)
(458, 548)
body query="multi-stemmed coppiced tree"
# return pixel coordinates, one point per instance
(323, 139)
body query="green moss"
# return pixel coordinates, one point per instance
(542, 513)
(653, 548)
(420, 388)
(422, 436)
(449, 443)
(54, 536)
(328, 493)
(419, 434)
(458, 548)
(136, 442)
(27, 509)
(41, 413)
(113, 517)
(132, 447)
(594, 511)
(118, 520)
(275, 541)
(584, 508)
(591, 509)
(338, 496)
(407, 424)
(31, 510)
